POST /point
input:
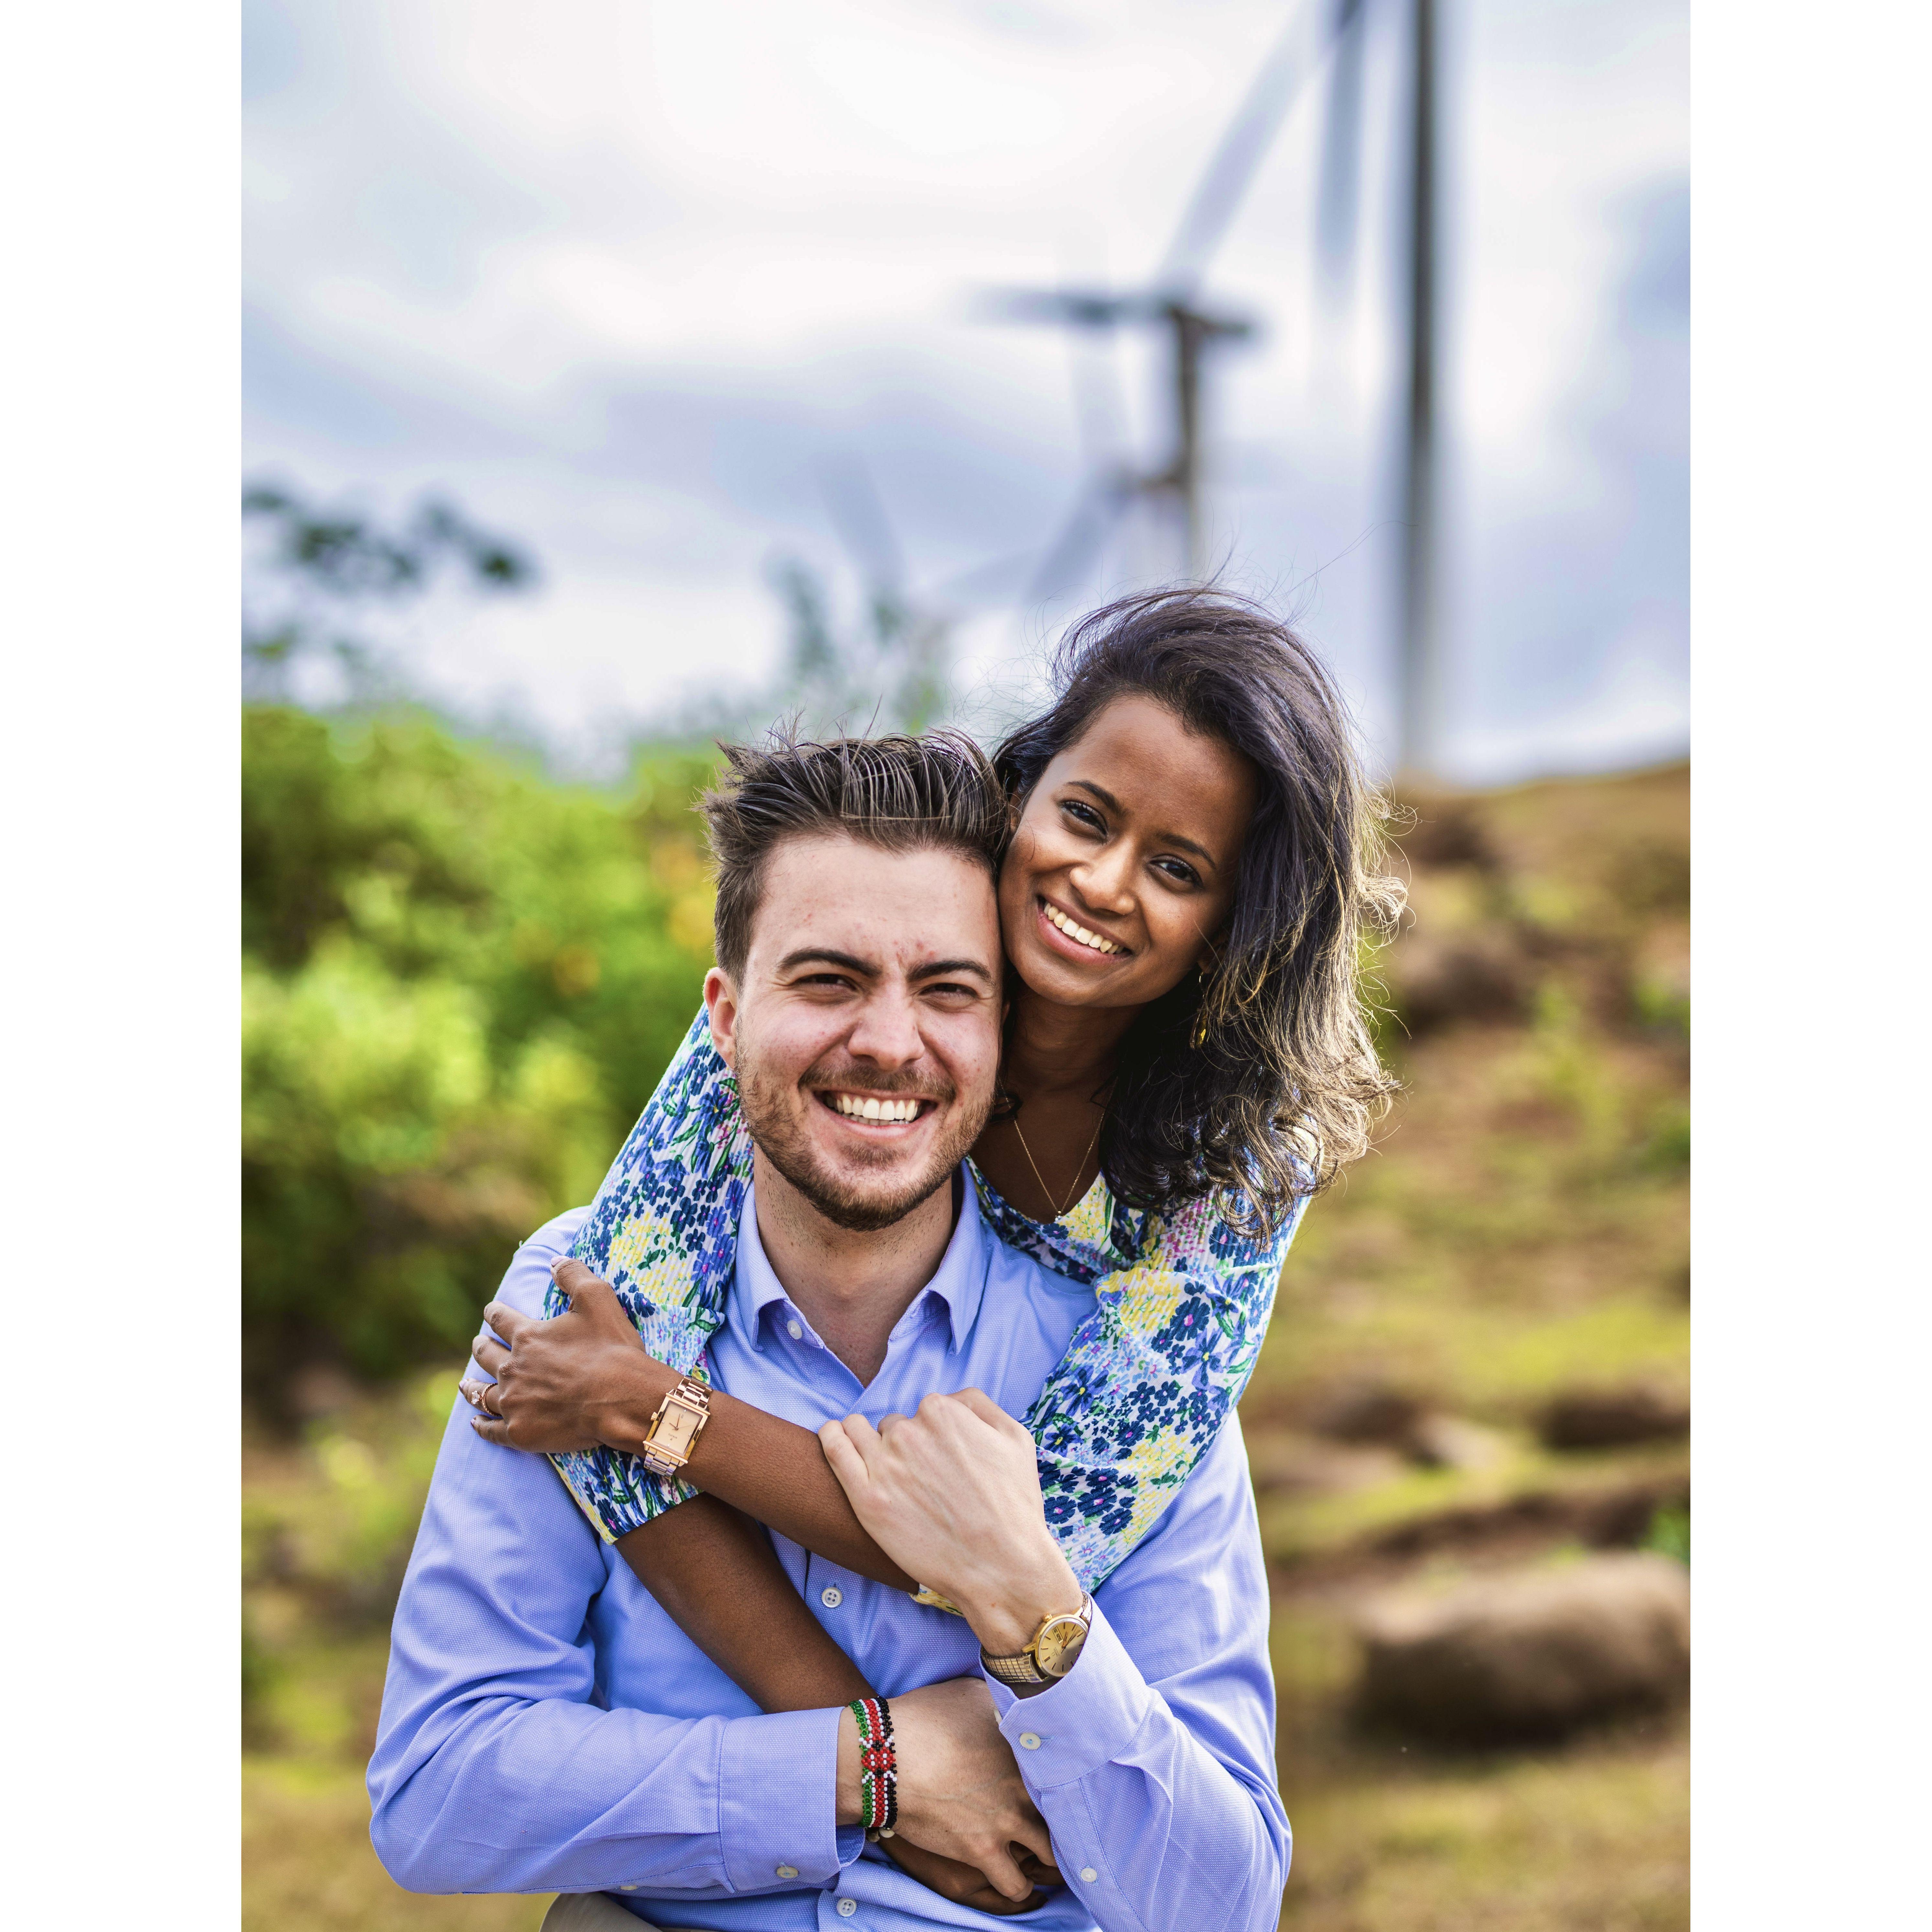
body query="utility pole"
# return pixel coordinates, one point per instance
(1421, 680)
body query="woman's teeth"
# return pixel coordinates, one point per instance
(855, 1109)
(1078, 932)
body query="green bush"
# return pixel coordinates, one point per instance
(460, 981)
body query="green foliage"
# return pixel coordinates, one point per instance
(1669, 1534)
(460, 981)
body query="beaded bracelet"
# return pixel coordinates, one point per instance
(878, 1767)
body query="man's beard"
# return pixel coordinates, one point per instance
(780, 1137)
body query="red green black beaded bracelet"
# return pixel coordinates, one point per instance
(878, 1767)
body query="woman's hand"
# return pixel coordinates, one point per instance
(960, 1793)
(964, 1886)
(951, 1496)
(573, 1382)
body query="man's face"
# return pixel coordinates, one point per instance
(865, 1032)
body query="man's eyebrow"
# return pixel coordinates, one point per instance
(1114, 804)
(826, 956)
(807, 954)
(937, 967)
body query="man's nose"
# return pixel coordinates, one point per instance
(886, 1032)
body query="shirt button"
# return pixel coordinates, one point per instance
(847, 1907)
(797, 1334)
(1088, 1874)
(784, 1871)
(1029, 1740)
(831, 1596)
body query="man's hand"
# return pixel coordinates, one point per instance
(951, 1496)
(960, 1792)
(571, 1383)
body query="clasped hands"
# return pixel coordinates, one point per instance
(951, 1495)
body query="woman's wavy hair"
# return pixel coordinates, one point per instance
(1256, 1080)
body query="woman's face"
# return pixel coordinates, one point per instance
(1122, 867)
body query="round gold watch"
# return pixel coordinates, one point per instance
(1051, 1653)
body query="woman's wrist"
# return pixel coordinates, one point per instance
(625, 1414)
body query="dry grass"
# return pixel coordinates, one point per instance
(1590, 1839)
(308, 1865)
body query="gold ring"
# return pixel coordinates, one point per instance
(483, 1400)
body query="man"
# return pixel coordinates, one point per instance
(545, 1726)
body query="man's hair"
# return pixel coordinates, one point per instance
(938, 790)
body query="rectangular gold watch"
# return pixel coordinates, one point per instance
(675, 1427)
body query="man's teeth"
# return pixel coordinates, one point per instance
(856, 1108)
(1075, 930)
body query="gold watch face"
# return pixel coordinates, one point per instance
(1058, 1644)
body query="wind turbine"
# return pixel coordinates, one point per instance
(1171, 302)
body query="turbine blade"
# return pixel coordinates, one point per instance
(1243, 148)
(1071, 553)
(859, 517)
(1089, 308)
(1341, 155)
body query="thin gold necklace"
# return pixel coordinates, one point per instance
(1078, 1171)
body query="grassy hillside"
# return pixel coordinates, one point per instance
(1519, 1240)
(1521, 1236)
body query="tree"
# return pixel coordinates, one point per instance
(318, 574)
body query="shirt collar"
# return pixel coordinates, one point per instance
(959, 1281)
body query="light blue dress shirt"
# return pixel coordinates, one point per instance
(546, 1727)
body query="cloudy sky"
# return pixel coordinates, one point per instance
(671, 292)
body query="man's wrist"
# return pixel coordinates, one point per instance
(848, 1805)
(1007, 1613)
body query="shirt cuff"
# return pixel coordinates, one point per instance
(1087, 1719)
(778, 1786)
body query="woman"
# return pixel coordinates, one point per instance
(1185, 1064)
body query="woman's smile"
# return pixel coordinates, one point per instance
(1078, 938)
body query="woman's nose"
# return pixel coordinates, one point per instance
(1105, 883)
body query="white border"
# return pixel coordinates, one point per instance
(118, 127)
(1810, 427)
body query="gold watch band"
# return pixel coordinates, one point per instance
(1051, 1654)
(675, 1428)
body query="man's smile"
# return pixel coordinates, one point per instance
(886, 1110)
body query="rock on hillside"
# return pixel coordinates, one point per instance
(1531, 1654)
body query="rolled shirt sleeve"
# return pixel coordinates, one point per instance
(1152, 1760)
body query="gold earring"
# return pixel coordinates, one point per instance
(1198, 1038)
